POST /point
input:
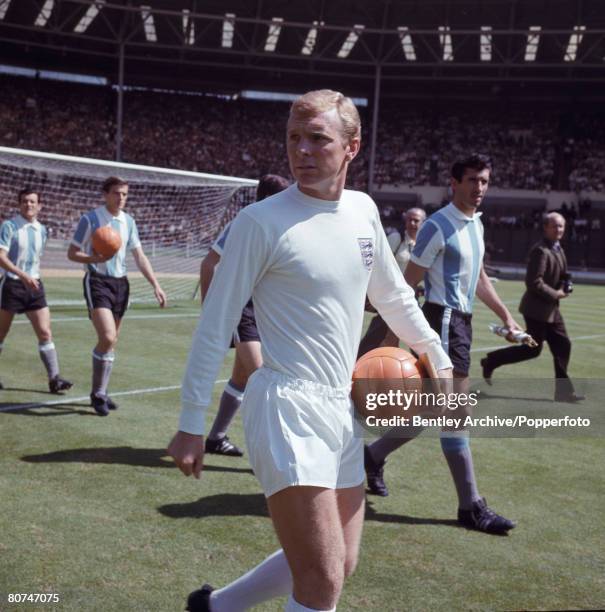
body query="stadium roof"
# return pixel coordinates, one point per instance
(231, 45)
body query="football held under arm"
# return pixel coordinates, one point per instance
(396, 303)
(242, 265)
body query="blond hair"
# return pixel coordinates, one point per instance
(322, 100)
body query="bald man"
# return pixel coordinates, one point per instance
(547, 282)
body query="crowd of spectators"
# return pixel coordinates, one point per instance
(416, 147)
(239, 137)
(587, 151)
(57, 117)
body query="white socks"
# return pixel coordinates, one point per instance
(272, 578)
(294, 606)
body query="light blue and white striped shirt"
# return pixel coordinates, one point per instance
(451, 246)
(124, 224)
(25, 243)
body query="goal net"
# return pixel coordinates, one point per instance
(178, 214)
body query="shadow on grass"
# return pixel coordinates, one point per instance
(225, 504)
(20, 390)
(373, 515)
(33, 409)
(121, 455)
(254, 504)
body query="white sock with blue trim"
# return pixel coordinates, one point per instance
(102, 363)
(48, 355)
(457, 451)
(230, 402)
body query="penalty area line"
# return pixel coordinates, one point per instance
(76, 400)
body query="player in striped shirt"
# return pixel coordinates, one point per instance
(22, 241)
(449, 256)
(106, 286)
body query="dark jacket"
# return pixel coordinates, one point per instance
(544, 277)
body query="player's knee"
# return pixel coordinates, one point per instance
(320, 585)
(108, 340)
(45, 336)
(320, 580)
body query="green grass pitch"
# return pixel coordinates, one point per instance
(93, 510)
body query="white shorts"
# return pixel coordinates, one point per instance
(301, 433)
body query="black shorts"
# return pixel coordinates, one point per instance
(17, 298)
(246, 330)
(106, 292)
(454, 329)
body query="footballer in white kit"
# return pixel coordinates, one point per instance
(307, 264)
(307, 255)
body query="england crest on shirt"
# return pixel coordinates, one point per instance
(366, 246)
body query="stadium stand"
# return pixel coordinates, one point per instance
(532, 148)
(538, 149)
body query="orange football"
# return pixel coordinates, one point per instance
(106, 241)
(387, 372)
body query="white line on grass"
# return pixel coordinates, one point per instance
(493, 348)
(129, 317)
(75, 400)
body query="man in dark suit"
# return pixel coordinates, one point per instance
(547, 283)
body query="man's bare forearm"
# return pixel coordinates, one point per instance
(487, 294)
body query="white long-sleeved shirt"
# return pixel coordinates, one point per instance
(308, 264)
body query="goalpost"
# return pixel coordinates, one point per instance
(178, 213)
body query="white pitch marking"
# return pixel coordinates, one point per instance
(75, 400)
(568, 320)
(493, 348)
(130, 317)
(588, 337)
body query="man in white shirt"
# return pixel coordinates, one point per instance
(308, 256)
